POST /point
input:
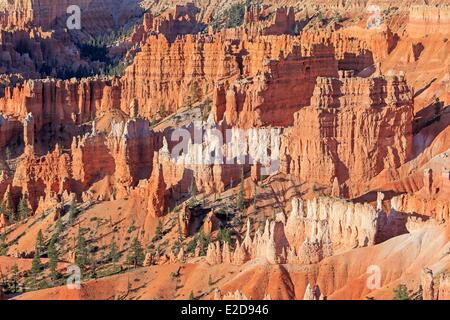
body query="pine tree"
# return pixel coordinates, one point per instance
(58, 227)
(114, 253)
(52, 254)
(93, 261)
(73, 211)
(240, 198)
(39, 243)
(81, 252)
(255, 195)
(224, 236)
(36, 266)
(158, 232)
(11, 216)
(3, 244)
(22, 210)
(4, 209)
(136, 255)
(203, 242)
(35, 271)
(15, 278)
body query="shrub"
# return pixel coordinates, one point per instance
(224, 236)
(158, 233)
(235, 15)
(232, 17)
(136, 254)
(3, 244)
(73, 211)
(22, 209)
(192, 245)
(401, 292)
(203, 243)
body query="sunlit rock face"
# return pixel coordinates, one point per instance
(96, 15)
(353, 129)
(322, 168)
(315, 229)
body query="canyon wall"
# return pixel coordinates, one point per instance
(97, 15)
(286, 83)
(428, 20)
(314, 229)
(353, 129)
(35, 53)
(242, 75)
(98, 166)
(58, 102)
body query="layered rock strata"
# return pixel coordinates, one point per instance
(354, 129)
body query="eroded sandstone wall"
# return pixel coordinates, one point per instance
(313, 230)
(97, 15)
(354, 129)
(429, 20)
(59, 102)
